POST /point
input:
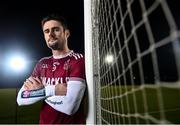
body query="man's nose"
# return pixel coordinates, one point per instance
(51, 33)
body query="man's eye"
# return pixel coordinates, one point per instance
(46, 31)
(56, 29)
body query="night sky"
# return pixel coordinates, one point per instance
(20, 32)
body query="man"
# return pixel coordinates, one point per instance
(59, 80)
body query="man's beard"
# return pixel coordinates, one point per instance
(56, 45)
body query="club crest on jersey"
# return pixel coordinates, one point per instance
(44, 66)
(66, 65)
(55, 64)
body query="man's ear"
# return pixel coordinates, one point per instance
(67, 33)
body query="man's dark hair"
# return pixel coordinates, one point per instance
(56, 17)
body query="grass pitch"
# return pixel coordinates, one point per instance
(119, 105)
(11, 113)
(127, 105)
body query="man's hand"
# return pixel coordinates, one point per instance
(61, 89)
(33, 83)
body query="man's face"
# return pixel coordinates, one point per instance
(55, 35)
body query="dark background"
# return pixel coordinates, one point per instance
(20, 31)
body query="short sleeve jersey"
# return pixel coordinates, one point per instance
(59, 70)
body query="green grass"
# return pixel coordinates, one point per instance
(10, 112)
(147, 97)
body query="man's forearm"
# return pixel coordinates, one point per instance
(33, 93)
(26, 97)
(45, 91)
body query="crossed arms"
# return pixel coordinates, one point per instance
(65, 98)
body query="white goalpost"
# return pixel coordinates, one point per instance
(89, 62)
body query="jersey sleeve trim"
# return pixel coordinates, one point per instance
(75, 79)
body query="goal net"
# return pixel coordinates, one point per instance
(136, 61)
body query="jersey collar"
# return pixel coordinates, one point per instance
(63, 56)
